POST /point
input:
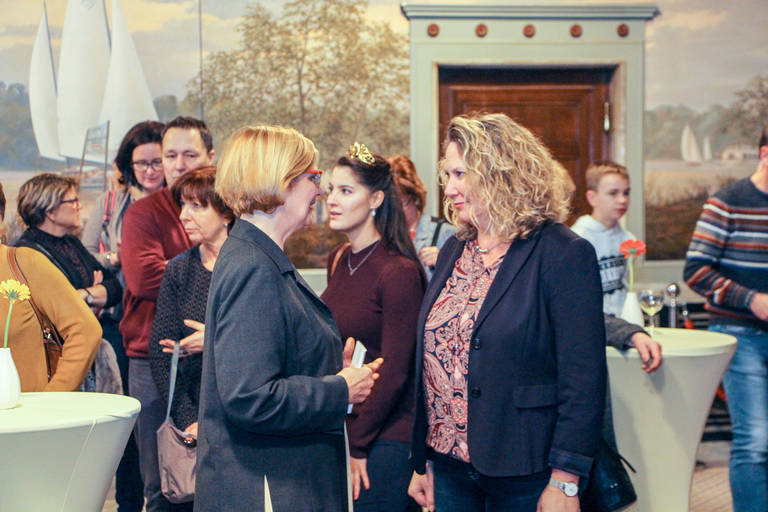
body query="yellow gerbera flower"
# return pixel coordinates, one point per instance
(13, 290)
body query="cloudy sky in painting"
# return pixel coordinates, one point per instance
(699, 52)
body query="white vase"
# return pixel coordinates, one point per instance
(10, 386)
(631, 311)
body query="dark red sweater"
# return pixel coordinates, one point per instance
(152, 235)
(379, 305)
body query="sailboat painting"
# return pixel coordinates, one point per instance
(99, 82)
(42, 87)
(689, 148)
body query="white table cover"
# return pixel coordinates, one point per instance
(59, 451)
(659, 418)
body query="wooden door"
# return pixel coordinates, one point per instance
(565, 108)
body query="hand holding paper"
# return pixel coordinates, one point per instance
(360, 379)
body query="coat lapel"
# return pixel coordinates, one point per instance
(517, 254)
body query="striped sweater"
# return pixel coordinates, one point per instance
(727, 261)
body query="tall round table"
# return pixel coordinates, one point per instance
(659, 418)
(59, 451)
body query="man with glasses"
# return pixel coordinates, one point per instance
(152, 235)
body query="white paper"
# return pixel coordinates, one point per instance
(358, 357)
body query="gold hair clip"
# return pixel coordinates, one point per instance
(360, 152)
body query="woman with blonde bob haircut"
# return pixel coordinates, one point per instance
(510, 358)
(274, 389)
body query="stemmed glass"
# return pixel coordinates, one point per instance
(651, 302)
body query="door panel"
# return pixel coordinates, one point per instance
(564, 108)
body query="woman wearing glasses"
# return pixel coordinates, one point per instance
(139, 165)
(49, 206)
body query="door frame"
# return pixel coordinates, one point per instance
(467, 35)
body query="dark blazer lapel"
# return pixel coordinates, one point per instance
(517, 254)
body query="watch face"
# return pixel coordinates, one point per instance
(571, 489)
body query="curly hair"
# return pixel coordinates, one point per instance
(511, 177)
(408, 181)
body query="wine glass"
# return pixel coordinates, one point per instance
(651, 302)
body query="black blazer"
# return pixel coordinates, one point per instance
(270, 402)
(537, 372)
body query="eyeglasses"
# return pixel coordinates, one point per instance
(316, 175)
(143, 165)
(74, 201)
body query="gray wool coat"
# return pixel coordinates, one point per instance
(270, 402)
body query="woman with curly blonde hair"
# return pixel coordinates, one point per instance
(511, 359)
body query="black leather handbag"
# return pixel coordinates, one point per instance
(609, 487)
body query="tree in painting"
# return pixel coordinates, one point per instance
(321, 67)
(749, 112)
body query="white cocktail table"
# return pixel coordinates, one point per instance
(59, 451)
(659, 418)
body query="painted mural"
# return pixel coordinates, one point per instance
(338, 71)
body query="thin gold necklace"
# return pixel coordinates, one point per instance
(349, 258)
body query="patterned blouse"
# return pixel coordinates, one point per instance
(447, 335)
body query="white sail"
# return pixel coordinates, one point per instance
(706, 150)
(42, 93)
(127, 99)
(689, 149)
(83, 63)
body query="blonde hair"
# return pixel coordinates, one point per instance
(259, 164)
(40, 195)
(510, 175)
(597, 170)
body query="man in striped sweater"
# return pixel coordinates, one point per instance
(727, 262)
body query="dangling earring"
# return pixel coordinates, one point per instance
(373, 212)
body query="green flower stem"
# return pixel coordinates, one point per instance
(7, 324)
(631, 274)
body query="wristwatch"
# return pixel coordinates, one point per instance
(570, 489)
(89, 298)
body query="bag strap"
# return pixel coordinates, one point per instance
(42, 318)
(174, 369)
(436, 234)
(338, 257)
(610, 448)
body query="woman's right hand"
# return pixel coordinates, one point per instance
(360, 380)
(422, 489)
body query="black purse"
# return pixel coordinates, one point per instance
(609, 487)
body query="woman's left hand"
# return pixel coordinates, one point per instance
(359, 473)
(553, 499)
(192, 344)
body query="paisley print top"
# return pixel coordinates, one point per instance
(447, 335)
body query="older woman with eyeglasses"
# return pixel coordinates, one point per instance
(49, 206)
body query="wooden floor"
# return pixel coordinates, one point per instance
(710, 491)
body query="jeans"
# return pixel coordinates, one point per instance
(152, 414)
(460, 488)
(389, 474)
(746, 388)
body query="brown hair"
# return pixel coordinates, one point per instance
(199, 185)
(408, 181)
(510, 174)
(42, 194)
(597, 170)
